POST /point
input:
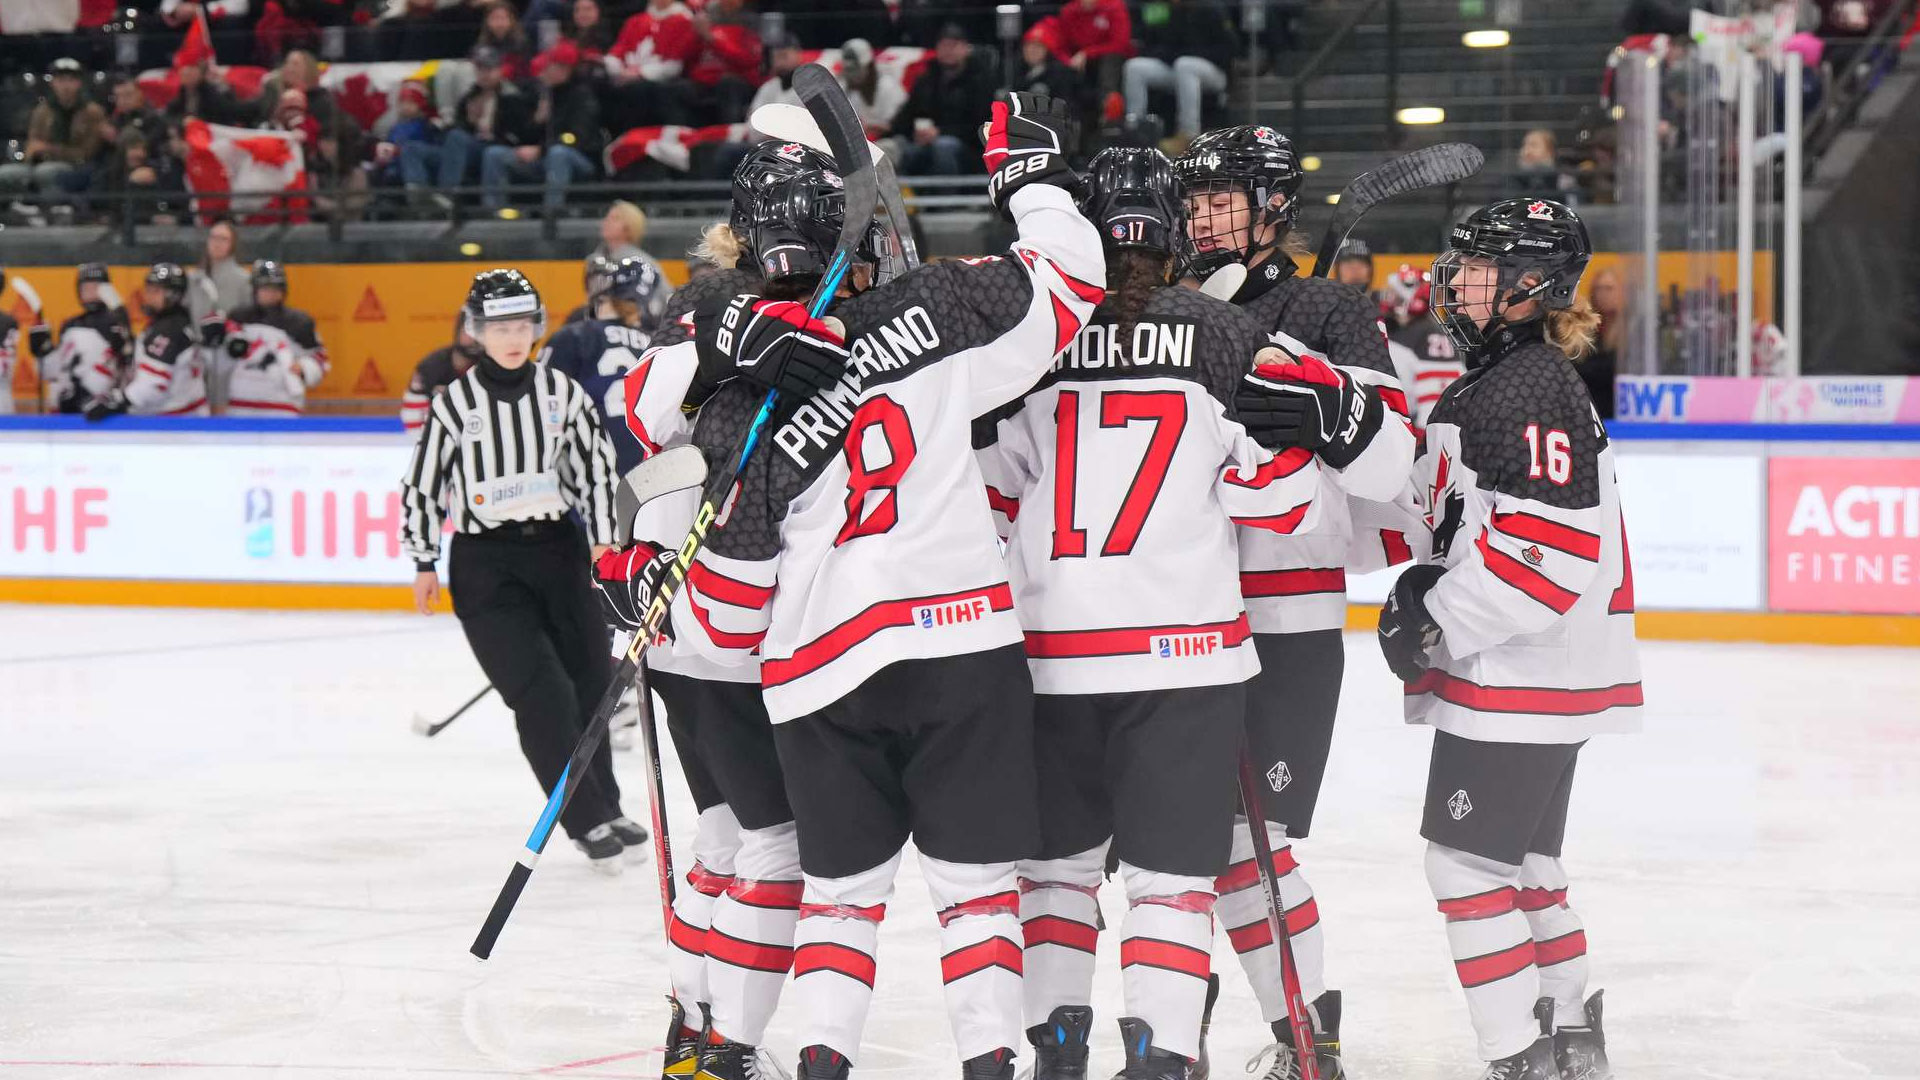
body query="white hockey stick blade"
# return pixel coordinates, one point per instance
(1225, 281)
(666, 472)
(422, 725)
(110, 296)
(793, 123)
(24, 289)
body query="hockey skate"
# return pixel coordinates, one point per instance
(723, 1060)
(1536, 1061)
(680, 1054)
(1060, 1044)
(821, 1063)
(1581, 1052)
(1280, 1060)
(1144, 1060)
(603, 849)
(633, 836)
(992, 1065)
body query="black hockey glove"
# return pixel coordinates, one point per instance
(627, 579)
(770, 343)
(1026, 142)
(40, 339)
(1307, 402)
(213, 331)
(237, 347)
(111, 403)
(1407, 631)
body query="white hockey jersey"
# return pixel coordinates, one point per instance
(284, 359)
(1536, 606)
(1120, 479)
(169, 369)
(861, 531)
(85, 363)
(1426, 362)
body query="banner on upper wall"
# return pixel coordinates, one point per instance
(1827, 399)
(1843, 534)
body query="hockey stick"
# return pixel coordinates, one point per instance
(1431, 166)
(627, 503)
(1298, 1020)
(823, 96)
(429, 728)
(778, 120)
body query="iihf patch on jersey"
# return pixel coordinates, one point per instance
(970, 609)
(1460, 806)
(1279, 777)
(1181, 646)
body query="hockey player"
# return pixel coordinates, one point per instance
(1353, 265)
(1120, 478)
(1243, 186)
(1423, 354)
(87, 358)
(512, 453)
(1516, 642)
(434, 371)
(9, 351)
(272, 355)
(169, 373)
(870, 576)
(599, 350)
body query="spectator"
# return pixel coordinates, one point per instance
(219, 283)
(492, 113)
(155, 170)
(65, 135)
(1040, 71)
(939, 126)
(1188, 46)
(586, 26)
(1609, 298)
(726, 67)
(650, 55)
(876, 95)
(1537, 166)
(921, 22)
(132, 117)
(413, 125)
(501, 31)
(569, 118)
(783, 59)
(622, 230)
(1096, 38)
(203, 96)
(226, 20)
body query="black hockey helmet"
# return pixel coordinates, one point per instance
(633, 278)
(788, 205)
(91, 272)
(1536, 239)
(599, 269)
(504, 296)
(1357, 250)
(171, 279)
(269, 274)
(1135, 201)
(1252, 158)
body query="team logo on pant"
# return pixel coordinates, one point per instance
(1279, 777)
(1460, 806)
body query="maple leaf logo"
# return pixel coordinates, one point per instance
(362, 100)
(1449, 506)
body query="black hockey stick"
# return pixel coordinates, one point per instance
(423, 726)
(1298, 1020)
(1432, 166)
(822, 95)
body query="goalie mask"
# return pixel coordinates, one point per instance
(1502, 256)
(1254, 161)
(1134, 200)
(503, 296)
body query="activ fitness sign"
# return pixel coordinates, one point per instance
(1844, 535)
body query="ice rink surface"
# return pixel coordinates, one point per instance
(226, 855)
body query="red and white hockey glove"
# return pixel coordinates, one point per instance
(773, 344)
(1306, 402)
(627, 579)
(1027, 142)
(1407, 631)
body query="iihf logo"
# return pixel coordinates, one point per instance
(925, 615)
(1460, 806)
(1279, 777)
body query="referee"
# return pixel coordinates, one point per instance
(507, 450)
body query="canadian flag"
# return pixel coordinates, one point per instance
(671, 145)
(268, 165)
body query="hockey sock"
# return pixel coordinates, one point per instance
(1060, 925)
(1243, 911)
(1559, 938)
(1492, 947)
(750, 940)
(716, 838)
(980, 961)
(834, 959)
(1166, 954)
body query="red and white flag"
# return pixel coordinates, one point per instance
(268, 165)
(671, 145)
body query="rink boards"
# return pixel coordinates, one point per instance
(1736, 531)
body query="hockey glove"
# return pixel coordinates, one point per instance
(40, 339)
(627, 579)
(237, 347)
(213, 331)
(111, 403)
(770, 343)
(1306, 402)
(1027, 142)
(1407, 631)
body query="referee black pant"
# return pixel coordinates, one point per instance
(523, 597)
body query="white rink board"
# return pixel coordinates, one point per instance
(227, 856)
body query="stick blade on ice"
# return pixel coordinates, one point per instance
(1428, 167)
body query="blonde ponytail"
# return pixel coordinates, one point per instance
(719, 246)
(1573, 329)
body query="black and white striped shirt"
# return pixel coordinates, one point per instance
(486, 459)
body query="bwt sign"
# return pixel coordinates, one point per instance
(1844, 535)
(1650, 399)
